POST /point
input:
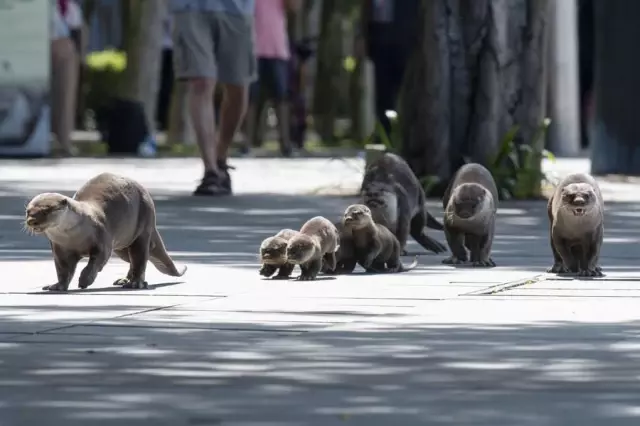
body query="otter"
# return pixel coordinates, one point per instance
(470, 203)
(317, 241)
(576, 226)
(375, 246)
(109, 213)
(397, 200)
(273, 255)
(345, 257)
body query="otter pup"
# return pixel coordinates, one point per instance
(345, 257)
(576, 219)
(273, 255)
(317, 240)
(109, 213)
(470, 203)
(375, 246)
(397, 200)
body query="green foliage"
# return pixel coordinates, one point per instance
(516, 167)
(391, 140)
(103, 74)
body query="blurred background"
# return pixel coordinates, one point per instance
(441, 82)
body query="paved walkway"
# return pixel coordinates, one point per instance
(434, 346)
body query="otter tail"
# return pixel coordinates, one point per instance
(161, 259)
(409, 267)
(433, 223)
(430, 244)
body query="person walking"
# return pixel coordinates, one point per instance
(213, 41)
(273, 53)
(389, 35)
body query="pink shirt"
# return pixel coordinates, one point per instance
(272, 40)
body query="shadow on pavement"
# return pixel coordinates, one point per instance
(299, 373)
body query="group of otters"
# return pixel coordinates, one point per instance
(115, 214)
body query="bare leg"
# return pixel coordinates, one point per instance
(64, 62)
(234, 107)
(202, 116)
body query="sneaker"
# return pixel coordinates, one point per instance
(211, 184)
(225, 180)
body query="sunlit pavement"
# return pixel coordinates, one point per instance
(220, 346)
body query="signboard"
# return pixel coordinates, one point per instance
(24, 78)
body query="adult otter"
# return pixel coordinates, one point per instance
(397, 200)
(109, 213)
(375, 246)
(470, 203)
(576, 226)
(317, 241)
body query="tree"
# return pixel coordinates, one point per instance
(479, 69)
(615, 141)
(142, 38)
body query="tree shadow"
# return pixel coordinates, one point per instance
(360, 369)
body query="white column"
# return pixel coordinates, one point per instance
(564, 97)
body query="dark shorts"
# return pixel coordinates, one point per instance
(273, 79)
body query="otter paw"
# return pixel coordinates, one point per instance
(134, 284)
(121, 281)
(590, 273)
(487, 263)
(267, 270)
(558, 268)
(54, 287)
(452, 260)
(306, 278)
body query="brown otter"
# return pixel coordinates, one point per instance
(317, 240)
(273, 255)
(375, 246)
(397, 200)
(109, 213)
(576, 226)
(470, 203)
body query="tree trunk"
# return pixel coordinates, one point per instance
(142, 39)
(615, 140)
(327, 70)
(479, 69)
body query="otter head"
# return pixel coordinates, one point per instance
(357, 216)
(301, 249)
(578, 198)
(45, 211)
(469, 199)
(273, 251)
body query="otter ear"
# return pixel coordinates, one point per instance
(64, 202)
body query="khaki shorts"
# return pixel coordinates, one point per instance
(214, 45)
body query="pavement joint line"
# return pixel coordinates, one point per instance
(64, 327)
(499, 288)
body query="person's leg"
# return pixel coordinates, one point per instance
(254, 110)
(65, 65)
(280, 79)
(166, 88)
(236, 70)
(194, 61)
(383, 90)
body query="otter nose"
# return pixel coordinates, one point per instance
(579, 201)
(31, 221)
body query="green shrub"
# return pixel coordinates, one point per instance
(103, 73)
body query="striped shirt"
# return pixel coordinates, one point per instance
(235, 7)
